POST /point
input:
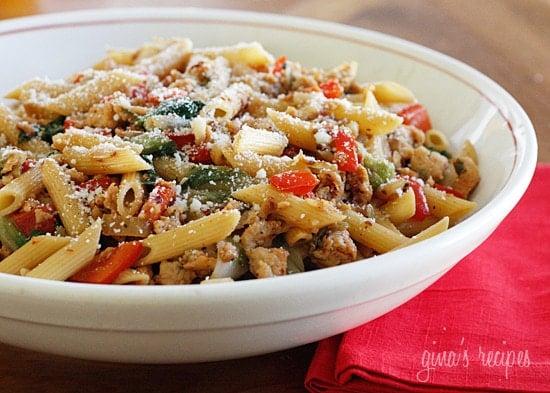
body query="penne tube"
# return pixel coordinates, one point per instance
(229, 103)
(442, 204)
(199, 233)
(130, 194)
(82, 97)
(251, 162)
(105, 159)
(299, 132)
(79, 137)
(468, 150)
(71, 258)
(435, 229)
(296, 235)
(251, 54)
(371, 234)
(175, 56)
(71, 210)
(370, 121)
(32, 253)
(388, 92)
(259, 141)
(16, 192)
(8, 125)
(436, 140)
(305, 213)
(132, 276)
(39, 87)
(402, 208)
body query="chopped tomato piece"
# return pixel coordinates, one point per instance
(448, 190)
(345, 151)
(422, 210)
(68, 123)
(27, 164)
(181, 140)
(41, 219)
(299, 182)
(97, 182)
(105, 268)
(416, 115)
(332, 88)
(139, 91)
(159, 199)
(200, 154)
(279, 65)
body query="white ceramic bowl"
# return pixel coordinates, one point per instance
(162, 324)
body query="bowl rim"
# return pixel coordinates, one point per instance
(497, 208)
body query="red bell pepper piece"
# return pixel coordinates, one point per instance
(27, 165)
(416, 115)
(299, 182)
(332, 88)
(448, 190)
(105, 268)
(200, 154)
(101, 181)
(27, 222)
(279, 65)
(181, 140)
(422, 210)
(160, 198)
(346, 151)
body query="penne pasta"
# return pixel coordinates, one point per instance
(436, 140)
(130, 194)
(259, 141)
(82, 97)
(79, 137)
(39, 87)
(442, 204)
(174, 56)
(388, 92)
(370, 121)
(132, 276)
(32, 253)
(402, 208)
(229, 103)
(435, 229)
(71, 210)
(300, 133)
(295, 235)
(20, 189)
(105, 159)
(251, 54)
(307, 214)
(195, 234)
(71, 258)
(182, 165)
(371, 234)
(251, 162)
(8, 125)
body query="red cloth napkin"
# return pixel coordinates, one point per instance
(446, 339)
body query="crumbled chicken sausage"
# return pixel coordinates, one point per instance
(335, 247)
(428, 163)
(268, 262)
(331, 186)
(359, 187)
(261, 233)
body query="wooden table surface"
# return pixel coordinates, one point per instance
(508, 40)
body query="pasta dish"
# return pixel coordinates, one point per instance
(169, 164)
